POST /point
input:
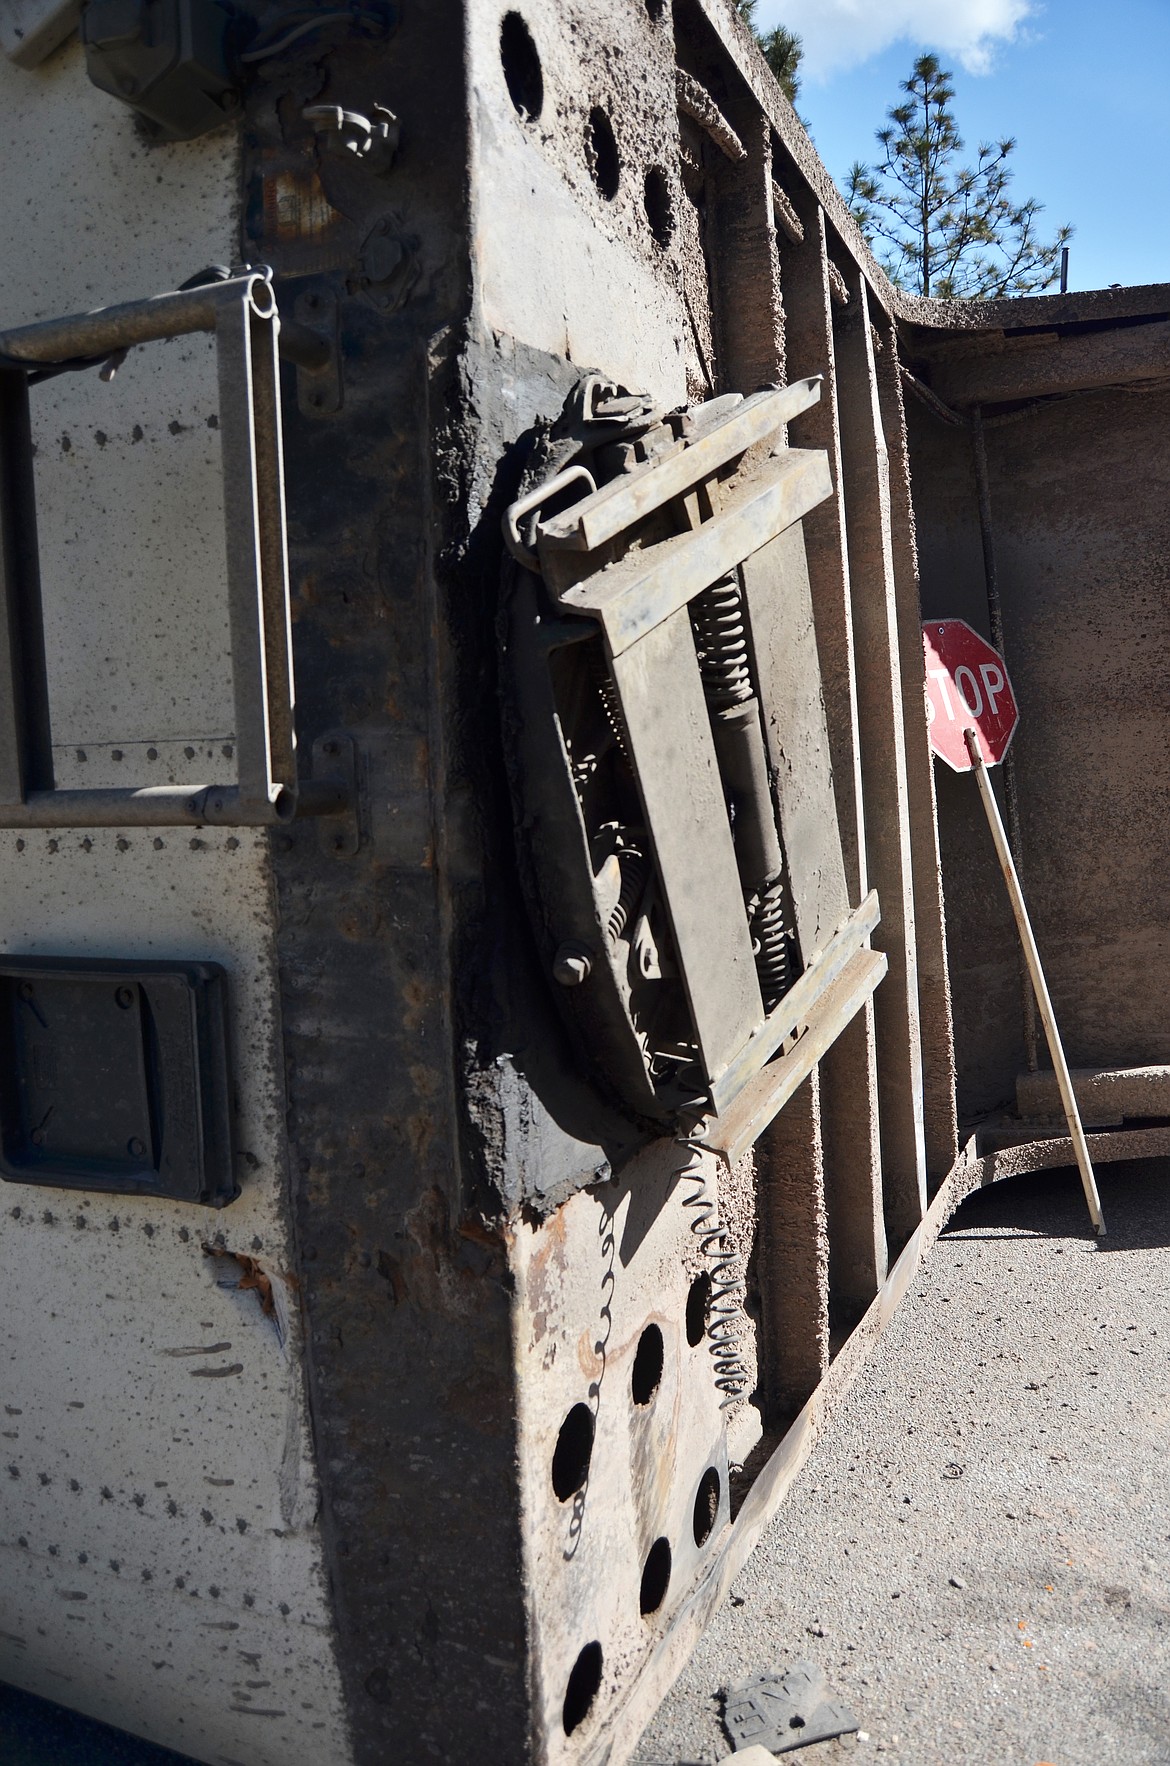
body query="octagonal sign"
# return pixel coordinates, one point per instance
(967, 686)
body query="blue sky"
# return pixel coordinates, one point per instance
(1083, 88)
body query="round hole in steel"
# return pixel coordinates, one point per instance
(655, 1578)
(659, 207)
(602, 153)
(573, 1452)
(649, 1359)
(706, 1505)
(521, 64)
(698, 1302)
(582, 1688)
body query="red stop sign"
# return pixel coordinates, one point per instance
(967, 687)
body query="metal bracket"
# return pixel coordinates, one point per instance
(320, 392)
(763, 1096)
(336, 780)
(371, 140)
(536, 499)
(680, 562)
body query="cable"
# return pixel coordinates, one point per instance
(351, 15)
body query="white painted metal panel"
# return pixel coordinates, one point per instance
(161, 1565)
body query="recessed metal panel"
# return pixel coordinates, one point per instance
(114, 1078)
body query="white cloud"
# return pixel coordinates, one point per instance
(839, 34)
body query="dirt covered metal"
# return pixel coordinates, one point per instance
(528, 1312)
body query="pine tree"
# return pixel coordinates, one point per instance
(783, 50)
(944, 229)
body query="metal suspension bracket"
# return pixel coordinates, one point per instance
(684, 564)
(241, 312)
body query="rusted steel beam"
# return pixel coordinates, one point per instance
(696, 102)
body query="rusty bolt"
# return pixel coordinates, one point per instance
(125, 997)
(136, 1148)
(572, 964)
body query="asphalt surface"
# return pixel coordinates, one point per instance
(978, 1552)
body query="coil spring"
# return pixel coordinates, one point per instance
(726, 1318)
(717, 619)
(633, 870)
(770, 942)
(611, 705)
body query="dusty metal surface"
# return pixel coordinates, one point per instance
(162, 1559)
(508, 1378)
(1107, 1097)
(1078, 551)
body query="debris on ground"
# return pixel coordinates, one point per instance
(774, 1713)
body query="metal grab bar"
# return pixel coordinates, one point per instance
(106, 329)
(242, 314)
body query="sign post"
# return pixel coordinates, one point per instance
(972, 715)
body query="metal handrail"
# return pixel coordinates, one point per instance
(241, 312)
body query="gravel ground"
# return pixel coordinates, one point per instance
(978, 1551)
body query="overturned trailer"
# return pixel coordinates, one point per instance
(463, 1124)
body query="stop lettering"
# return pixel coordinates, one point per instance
(967, 687)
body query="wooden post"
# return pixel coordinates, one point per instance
(1032, 957)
